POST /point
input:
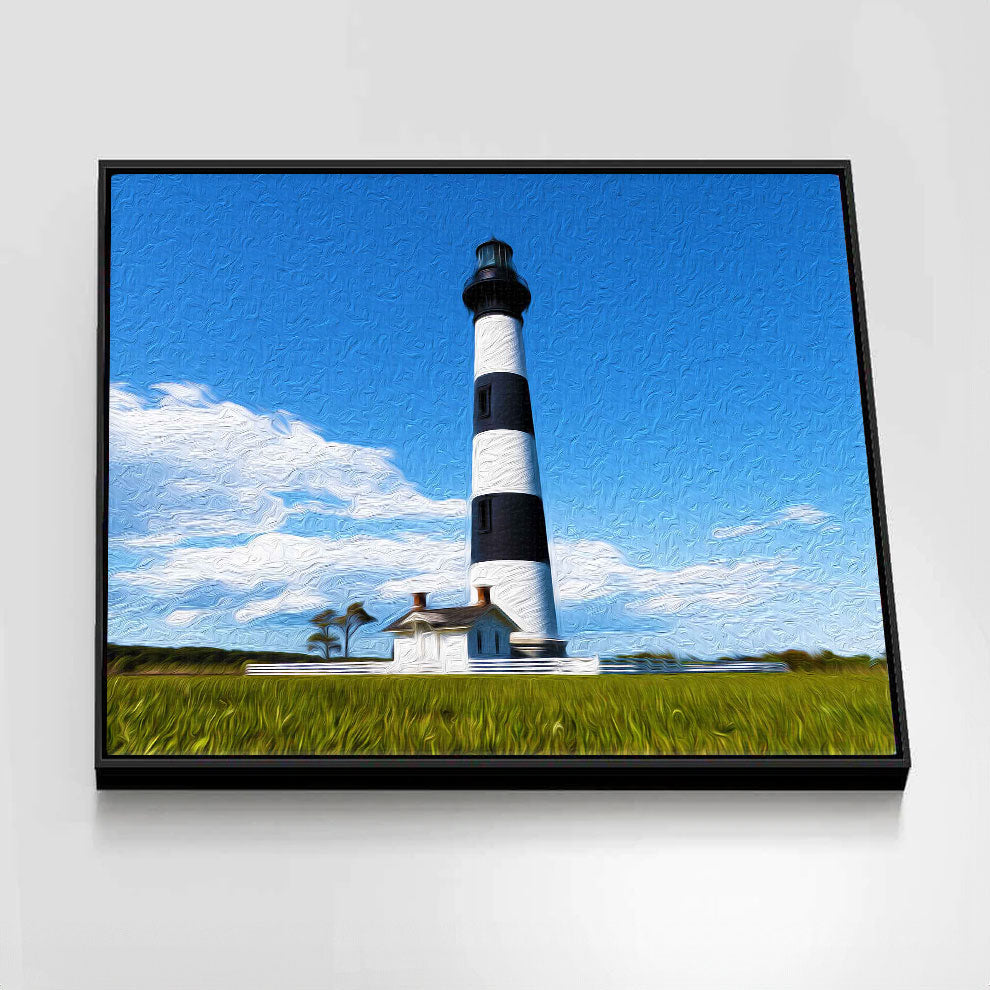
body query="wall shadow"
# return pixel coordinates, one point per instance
(245, 818)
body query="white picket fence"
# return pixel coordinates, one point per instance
(529, 665)
(536, 665)
(312, 669)
(628, 666)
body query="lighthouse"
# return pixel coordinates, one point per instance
(509, 550)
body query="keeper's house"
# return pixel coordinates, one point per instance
(446, 640)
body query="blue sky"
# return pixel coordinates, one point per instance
(290, 417)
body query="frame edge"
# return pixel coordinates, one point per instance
(696, 773)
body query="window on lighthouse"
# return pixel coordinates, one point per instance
(484, 515)
(484, 401)
(480, 649)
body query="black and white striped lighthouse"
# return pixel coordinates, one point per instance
(509, 550)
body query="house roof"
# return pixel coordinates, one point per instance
(459, 617)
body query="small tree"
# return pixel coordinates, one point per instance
(324, 641)
(351, 621)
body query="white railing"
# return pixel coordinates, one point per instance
(523, 665)
(495, 665)
(305, 668)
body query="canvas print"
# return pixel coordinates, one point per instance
(488, 464)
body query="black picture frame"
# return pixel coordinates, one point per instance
(777, 772)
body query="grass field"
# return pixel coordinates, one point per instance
(685, 714)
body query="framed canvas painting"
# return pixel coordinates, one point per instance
(489, 474)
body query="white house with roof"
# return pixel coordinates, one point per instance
(465, 639)
(447, 640)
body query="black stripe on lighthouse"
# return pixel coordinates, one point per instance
(508, 526)
(501, 402)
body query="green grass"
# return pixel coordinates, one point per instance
(685, 714)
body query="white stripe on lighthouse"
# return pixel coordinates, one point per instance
(523, 589)
(504, 461)
(498, 345)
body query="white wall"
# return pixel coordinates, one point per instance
(454, 650)
(404, 650)
(489, 626)
(259, 890)
(446, 652)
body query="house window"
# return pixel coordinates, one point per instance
(484, 401)
(498, 646)
(478, 637)
(484, 515)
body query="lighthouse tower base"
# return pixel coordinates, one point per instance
(529, 646)
(523, 589)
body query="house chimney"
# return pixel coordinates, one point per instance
(419, 600)
(484, 594)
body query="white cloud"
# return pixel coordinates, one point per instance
(589, 569)
(596, 569)
(807, 515)
(148, 542)
(722, 586)
(219, 469)
(440, 577)
(185, 616)
(300, 562)
(290, 600)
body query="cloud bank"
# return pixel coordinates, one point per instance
(304, 569)
(218, 469)
(207, 547)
